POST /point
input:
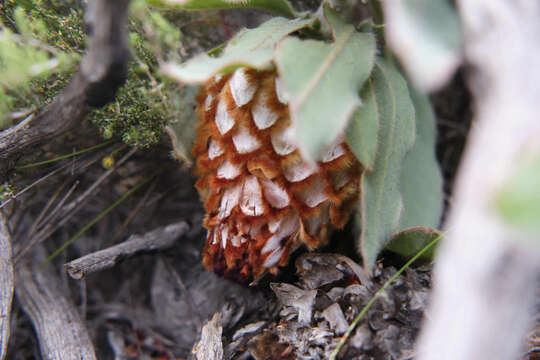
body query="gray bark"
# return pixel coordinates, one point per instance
(61, 333)
(158, 239)
(6, 284)
(485, 273)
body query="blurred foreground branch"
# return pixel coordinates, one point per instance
(485, 276)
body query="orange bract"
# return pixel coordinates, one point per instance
(262, 199)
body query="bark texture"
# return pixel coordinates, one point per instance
(156, 240)
(6, 285)
(59, 328)
(485, 275)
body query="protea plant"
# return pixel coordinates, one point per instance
(295, 134)
(262, 198)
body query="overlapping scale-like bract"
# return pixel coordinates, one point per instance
(262, 198)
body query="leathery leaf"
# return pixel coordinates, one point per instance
(279, 7)
(252, 48)
(381, 205)
(322, 81)
(421, 182)
(361, 132)
(182, 128)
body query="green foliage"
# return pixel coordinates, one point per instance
(323, 83)
(518, 200)
(278, 7)
(54, 35)
(333, 87)
(421, 184)
(381, 204)
(253, 48)
(182, 128)
(135, 115)
(35, 43)
(7, 191)
(421, 180)
(147, 102)
(410, 241)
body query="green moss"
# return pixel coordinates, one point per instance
(142, 107)
(136, 116)
(40, 45)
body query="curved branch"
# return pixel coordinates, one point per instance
(102, 71)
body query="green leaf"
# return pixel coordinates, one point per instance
(278, 7)
(381, 205)
(410, 241)
(518, 201)
(421, 184)
(253, 48)
(182, 129)
(426, 36)
(421, 180)
(322, 81)
(361, 133)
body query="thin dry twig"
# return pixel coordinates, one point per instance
(68, 211)
(159, 239)
(6, 284)
(120, 232)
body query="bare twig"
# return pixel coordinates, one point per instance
(158, 239)
(102, 71)
(6, 284)
(484, 279)
(120, 232)
(67, 212)
(61, 333)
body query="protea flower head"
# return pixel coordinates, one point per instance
(262, 198)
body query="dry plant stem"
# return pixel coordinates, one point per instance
(6, 284)
(68, 211)
(59, 328)
(102, 70)
(120, 232)
(484, 280)
(159, 239)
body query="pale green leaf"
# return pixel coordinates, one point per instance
(278, 7)
(322, 81)
(361, 133)
(426, 36)
(381, 205)
(421, 182)
(409, 242)
(182, 129)
(518, 201)
(253, 48)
